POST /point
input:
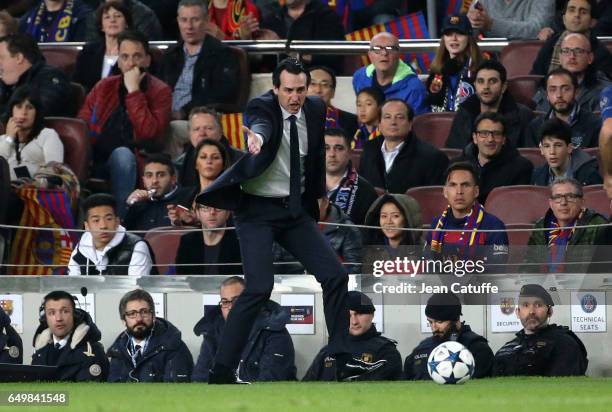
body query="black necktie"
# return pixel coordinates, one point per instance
(58, 346)
(137, 354)
(295, 175)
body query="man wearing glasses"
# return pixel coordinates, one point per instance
(565, 246)
(269, 353)
(394, 78)
(497, 159)
(576, 55)
(150, 349)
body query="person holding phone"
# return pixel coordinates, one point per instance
(27, 144)
(126, 113)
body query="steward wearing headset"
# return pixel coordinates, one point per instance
(68, 338)
(150, 349)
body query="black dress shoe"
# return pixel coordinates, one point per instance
(224, 377)
(350, 369)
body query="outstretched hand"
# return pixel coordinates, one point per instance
(253, 142)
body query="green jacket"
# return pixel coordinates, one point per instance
(579, 249)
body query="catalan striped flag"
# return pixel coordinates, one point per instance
(43, 252)
(457, 6)
(232, 129)
(410, 26)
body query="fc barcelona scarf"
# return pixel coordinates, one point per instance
(231, 24)
(58, 31)
(557, 240)
(347, 191)
(362, 135)
(332, 118)
(471, 226)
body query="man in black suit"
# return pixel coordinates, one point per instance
(274, 190)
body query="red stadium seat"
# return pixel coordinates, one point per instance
(523, 88)
(356, 157)
(431, 200)
(165, 242)
(518, 204)
(78, 96)
(77, 146)
(608, 44)
(518, 56)
(595, 198)
(433, 127)
(63, 58)
(595, 152)
(517, 241)
(532, 154)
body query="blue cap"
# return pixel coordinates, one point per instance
(458, 23)
(605, 103)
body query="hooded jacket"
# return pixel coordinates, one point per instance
(268, 354)
(517, 121)
(585, 127)
(583, 167)
(417, 164)
(405, 86)
(508, 168)
(166, 358)
(11, 347)
(82, 359)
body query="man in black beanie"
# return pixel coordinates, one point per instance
(364, 342)
(540, 348)
(443, 311)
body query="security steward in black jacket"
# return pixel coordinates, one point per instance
(540, 348)
(443, 311)
(68, 338)
(150, 349)
(364, 342)
(11, 347)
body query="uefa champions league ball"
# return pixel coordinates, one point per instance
(450, 363)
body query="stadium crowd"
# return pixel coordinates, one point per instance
(155, 151)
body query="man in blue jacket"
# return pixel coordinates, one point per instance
(150, 349)
(269, 353)
(394, 78)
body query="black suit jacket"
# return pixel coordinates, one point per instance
(265, 118)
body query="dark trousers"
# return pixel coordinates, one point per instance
(260, 221)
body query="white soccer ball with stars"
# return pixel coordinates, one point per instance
(450, 363)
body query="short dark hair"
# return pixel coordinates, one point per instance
(556, 128)
(560, 71)
(161, 158)
(58, 295)
(194, 3)
(218, 145)
(326, 70)
(592, 3)
(117, 5)
(233, 280)
(396, 100)
(23, 43)
(25, 93)
(99, 199)
(337, 132)
(493, 65)
(291, 65)
(134, 36)
(136, 294)
(375, 93)
(495, 117)
(463, 165)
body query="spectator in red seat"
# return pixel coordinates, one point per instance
(27, 144)
(394, 78)
(563, 247)
(305, 20)
(578, 17)
(452, 72)
(124, 113)
(562, 158)
(233, 19)
(561, 89)
(514, 19)
(398, 160)
(491, 96)
(323, 84)
(56, 21)
(22, 63)
(369, 103)
(200, 69)
(576, 55)
(97, 60)
(497, 159)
